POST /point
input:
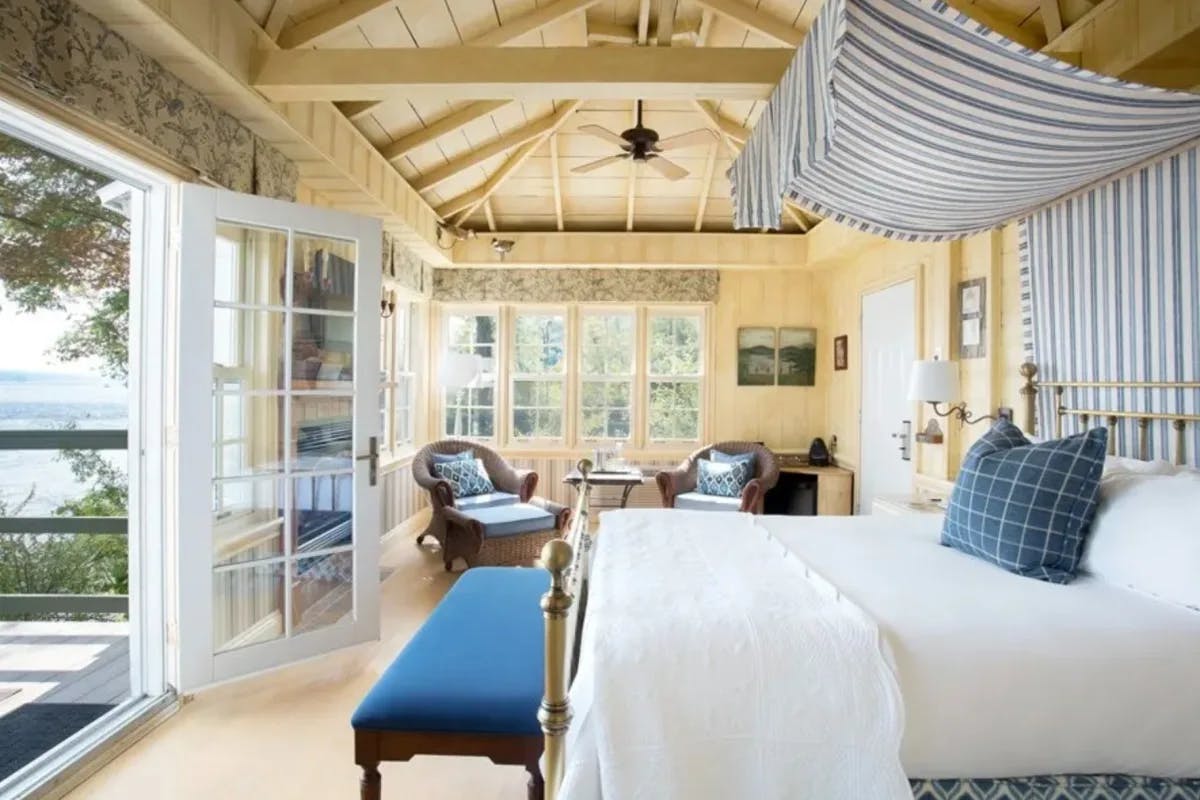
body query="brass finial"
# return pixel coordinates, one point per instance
(1028, 370)
(584, 466)
(556, 556)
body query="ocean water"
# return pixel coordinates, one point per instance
(45, 401)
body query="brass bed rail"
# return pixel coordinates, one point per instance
(1112, 417)
(564, 607)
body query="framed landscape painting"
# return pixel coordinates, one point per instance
(756, 357)
(797, 356)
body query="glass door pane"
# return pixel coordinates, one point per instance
(286, 576)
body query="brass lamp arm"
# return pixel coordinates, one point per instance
(959, 412)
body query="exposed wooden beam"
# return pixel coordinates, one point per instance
(357, 109)
(332, 20)
(524, 73)
(464, 205)
(513, 139)
(1001, 25)
(606, 32)
(441, 127)
(796, 216)
(722, 125)
(760, 22)
(557, 181)
(706, 185)
(1052, 19)
(643, 249)
(643, 21)
(666, 21)
(533, 21)
(276, 17)
(488, 215)
(1148, 41)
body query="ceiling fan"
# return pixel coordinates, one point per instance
(642, 144)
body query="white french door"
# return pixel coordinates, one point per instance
(279, 385)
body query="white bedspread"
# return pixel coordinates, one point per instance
(759, 683)
(1006, 676)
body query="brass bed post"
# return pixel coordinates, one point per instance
(555, 712)
(1112, 435)
(1029, 392)
(1058, 412)
(1143, 424)
(1180, 442)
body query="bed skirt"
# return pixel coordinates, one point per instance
(1058, 787)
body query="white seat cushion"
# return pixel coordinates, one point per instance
(696, 501)
(489, 500)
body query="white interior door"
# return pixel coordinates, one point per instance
(888, 351)
(278, 415)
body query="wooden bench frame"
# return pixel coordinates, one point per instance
(372, 747)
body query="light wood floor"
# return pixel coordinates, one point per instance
(287, 735)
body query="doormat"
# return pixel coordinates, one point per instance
(36, 728)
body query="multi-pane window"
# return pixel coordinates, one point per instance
(674, 370)
(606, 369)
(404, 375)
(539, 345)
(471, 403)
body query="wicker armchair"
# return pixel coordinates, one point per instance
(462, 536)
(682, 479)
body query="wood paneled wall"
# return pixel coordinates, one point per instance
(785, 417)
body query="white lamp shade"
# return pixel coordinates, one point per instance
(934, 382)
(459, 370)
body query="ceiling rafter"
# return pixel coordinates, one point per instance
(524, 73)
(606, 32)
(666, 21)
(706, 185)
(557, 181)
(1005, 26)
(1052, 18)
(758, 21)
(276, 17)
(720, 123)
(334, 19)
(533, 21)
(440, 127)
(357, 109)
(488, 215)
(508, 141)
(465, 204)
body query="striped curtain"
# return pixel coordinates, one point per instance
(1113, 287)
(907, 119)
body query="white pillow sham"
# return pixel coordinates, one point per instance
(1118, 464)
(1146, 535)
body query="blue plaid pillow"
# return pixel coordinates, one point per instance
(466, 478)
(1026, 507)
(722, 479)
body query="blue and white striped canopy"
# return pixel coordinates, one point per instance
(907, 119)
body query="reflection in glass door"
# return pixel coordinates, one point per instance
(284, 494)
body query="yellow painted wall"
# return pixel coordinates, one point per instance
(785, 417)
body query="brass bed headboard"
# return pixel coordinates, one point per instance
(1112, 418)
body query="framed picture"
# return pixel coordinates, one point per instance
(756, 357)
(841, 346)
(797, 357)
(972, 318)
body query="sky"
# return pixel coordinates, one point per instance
(29, 340)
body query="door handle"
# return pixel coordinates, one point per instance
(905, 437)
(372, 459)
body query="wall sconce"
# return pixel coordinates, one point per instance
(936, 382)
(387, 305)
(502, 247)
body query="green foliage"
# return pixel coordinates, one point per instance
(59, 246)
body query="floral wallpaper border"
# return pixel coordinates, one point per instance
(62, 52)
(578, 285)
(406, 267)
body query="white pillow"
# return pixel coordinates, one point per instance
(1146, 536)
(1115, 464)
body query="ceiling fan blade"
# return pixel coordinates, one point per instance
(605, 134)
(668, 169)
(696, 138)
(592, 166)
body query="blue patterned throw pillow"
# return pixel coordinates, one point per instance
(725, 458)
(722, 479)
(466, 478)
(462, 455)
(1026, 507)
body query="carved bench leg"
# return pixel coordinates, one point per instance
(537, 787)
(370, 785)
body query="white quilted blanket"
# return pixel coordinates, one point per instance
(714, 668)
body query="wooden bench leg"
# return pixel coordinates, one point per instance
(537, 787)
(370, 785)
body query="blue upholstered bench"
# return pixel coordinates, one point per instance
(469, 682)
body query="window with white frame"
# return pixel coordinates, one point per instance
(538, 374)
(607, 344)
(404, 376)
(471, 406)
(675, 366)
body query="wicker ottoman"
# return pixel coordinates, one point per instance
(509, 535)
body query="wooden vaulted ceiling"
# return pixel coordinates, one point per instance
(505, 164)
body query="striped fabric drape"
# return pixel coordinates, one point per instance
(1113, 285)
(907, 119)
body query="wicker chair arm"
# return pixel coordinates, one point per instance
(674, 482)
(752, 496)
(562, 514)
(528, 484)
(467, 526)
(442, 494)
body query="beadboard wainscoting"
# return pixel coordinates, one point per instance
(402, 498)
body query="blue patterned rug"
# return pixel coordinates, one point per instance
(1058, 787)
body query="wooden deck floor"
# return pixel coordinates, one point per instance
(63, 662)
